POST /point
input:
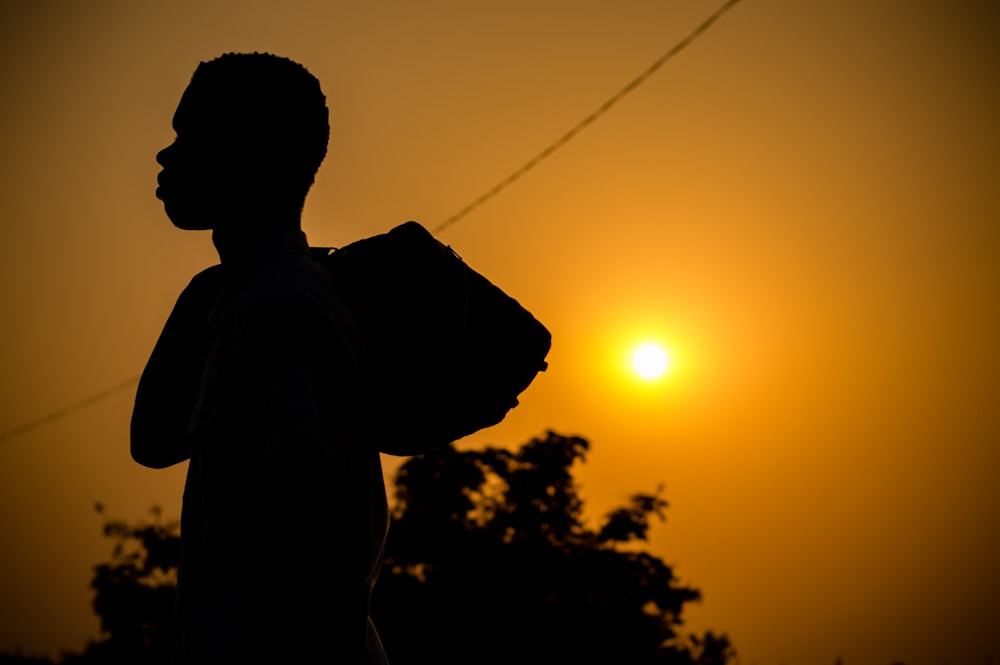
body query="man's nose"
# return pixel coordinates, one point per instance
(163, 156)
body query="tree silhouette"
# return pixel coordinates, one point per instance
(489, 560)
(133, 597)
(134, 593)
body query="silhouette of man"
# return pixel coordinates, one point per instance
(284, 515)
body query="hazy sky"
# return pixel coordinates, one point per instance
(803, 206)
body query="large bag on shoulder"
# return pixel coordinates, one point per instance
(448, 352)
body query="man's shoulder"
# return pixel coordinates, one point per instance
(293, 291)
(293, 279)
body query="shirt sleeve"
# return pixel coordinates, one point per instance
(168, 387)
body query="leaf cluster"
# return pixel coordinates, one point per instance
(490, 560)
(134, 593)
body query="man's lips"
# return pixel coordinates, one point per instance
(160, 185)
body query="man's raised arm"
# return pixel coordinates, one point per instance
(169, 386)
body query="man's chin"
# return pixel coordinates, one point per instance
(192, 227)
(189, 222)
(186, 220)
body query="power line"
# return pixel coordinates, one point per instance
(496, 189)
(65, 411)
(601, 110)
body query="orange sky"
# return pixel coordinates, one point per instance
(803, 206)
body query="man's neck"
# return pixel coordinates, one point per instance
(233, 241)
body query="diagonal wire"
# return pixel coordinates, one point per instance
(580, 126)
(503, 184)
(66, 410)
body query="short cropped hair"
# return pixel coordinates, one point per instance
(273, 108)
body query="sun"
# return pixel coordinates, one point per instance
(650, 361)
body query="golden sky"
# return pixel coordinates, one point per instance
(803, 207)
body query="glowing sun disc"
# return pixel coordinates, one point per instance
(650, 361)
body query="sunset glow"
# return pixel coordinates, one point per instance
(650, 361)
(770, 273)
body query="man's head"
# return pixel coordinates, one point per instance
(252, 129)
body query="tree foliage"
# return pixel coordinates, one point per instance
(134, 592)
(133, 597)
(489, 560)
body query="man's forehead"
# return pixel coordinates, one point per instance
(219, 112)
(198, 108)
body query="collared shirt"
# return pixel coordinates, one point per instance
(284, 517)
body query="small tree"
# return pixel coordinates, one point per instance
(134, 593)
(489, 561)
